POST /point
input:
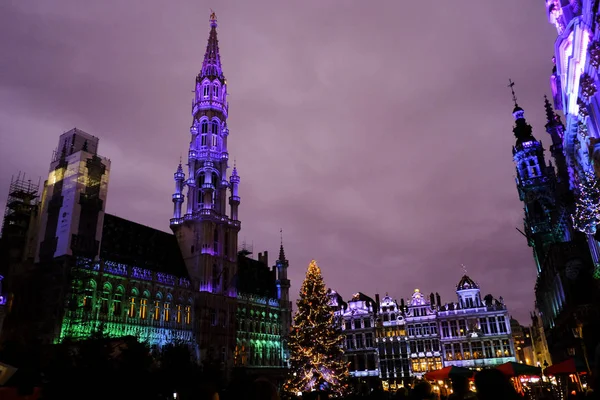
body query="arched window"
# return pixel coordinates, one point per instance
(106, 289)
(216, 91)
(167, 306)
(88, 295)
(215, 127)
(204, 126)
(156, 315)
(203, 141)
(117, 300)
(215, 180)
(178, 313)
(144, 305)
(205, 90)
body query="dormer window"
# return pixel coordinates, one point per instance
(205, 91)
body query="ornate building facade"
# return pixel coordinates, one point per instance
(475, 332)
(423, 334)
(92, 271)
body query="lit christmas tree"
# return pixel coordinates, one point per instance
(315, 342)
(587, 209)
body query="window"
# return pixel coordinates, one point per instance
(116, 305)
(493, 326)
(418, 330)
(448, 350)
(156, 310)
(167, 313)
(178, 313)
(215, 127)
(462, 327)
(143, 308)
(214, 140)
(445, 330)
(216, 91)
(348, 325)
(497, 349)
(367, 323)
(349, 342)
(203, 141)
(205, 90)
(435, 343)
(453, 329)
(434, 330)
(457, 352)
(477, 348)
(131, 313)
(413, 347)
(411, 330)
(361, 362)
(487, 350)
(369, 340)
(484, 326)
(392, 317)
(359, 342)
(506, 348)
(104, 299)
(188, 315)
(204, 126)
(502, 324)
(420, 346)
(425, 329)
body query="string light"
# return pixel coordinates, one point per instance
(316, 351)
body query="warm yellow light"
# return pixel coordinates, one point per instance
(417, 290)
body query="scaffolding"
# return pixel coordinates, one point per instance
(21, 204)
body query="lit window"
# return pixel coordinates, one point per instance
(143, 308)
(188, 315)
(116, 305)
(167, 312)
(156, 310)
(131, 313)
(178, 313)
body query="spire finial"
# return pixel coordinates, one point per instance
(511, 85)
(180, 158)
(213, 17)
(464, 268)
(281, 252)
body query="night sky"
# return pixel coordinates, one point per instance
(376, 134)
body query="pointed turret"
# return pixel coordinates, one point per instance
(556, 130)
(211, 66)
(283, 287)
(234, 199)
(179, 177)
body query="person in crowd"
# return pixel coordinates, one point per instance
(492, 384)
(422, 391)
(262, 389)
(460, 389)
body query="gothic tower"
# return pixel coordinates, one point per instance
(283, 294)
(536, 186)
(556, 130)
(206, 233)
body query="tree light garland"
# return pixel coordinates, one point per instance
(587, 208)
(315, 343)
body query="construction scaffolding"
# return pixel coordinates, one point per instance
(21, 209)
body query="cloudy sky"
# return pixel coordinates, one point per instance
(377, 134)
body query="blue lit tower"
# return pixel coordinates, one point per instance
(536, 186)
(207, 235)
(283, 289)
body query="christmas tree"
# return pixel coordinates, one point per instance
(315, 342)
(587, 208)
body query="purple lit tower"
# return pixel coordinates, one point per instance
(207, 236)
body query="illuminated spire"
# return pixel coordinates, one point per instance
(211, 66)
(522, 130)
